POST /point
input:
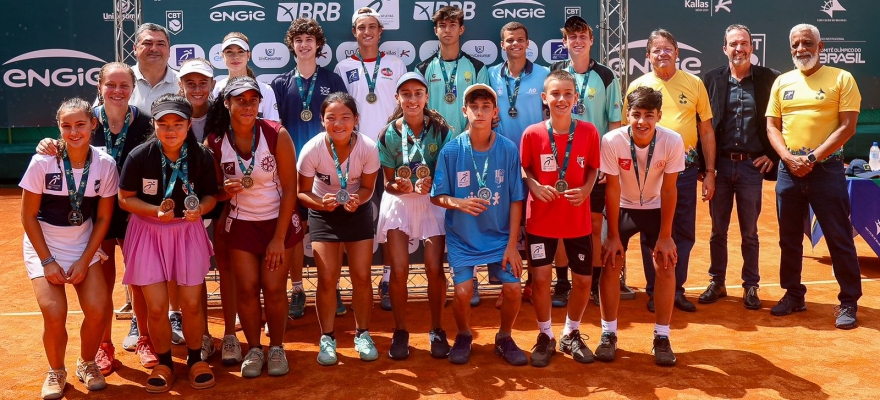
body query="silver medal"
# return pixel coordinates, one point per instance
(342, 196)
(450, 97)
(484, 193)
(580, 108)
(191, 202)
(561, 186)
(371, 97)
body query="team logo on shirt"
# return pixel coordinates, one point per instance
(150, 186)
(788, 95)
(580, 161)
(268, 163)
(625, 163)
(820, 95)
(591, 93)
(323, 178)
(467, 77)
(97, 186)
(434, 78)
(538, 251)
(464, 179)
(387, 72)
(53, 181)
(433, 148)
(660, 164)
(229, 168)
(499, 176)
(325, 91)
(682, 99)
(353, 75)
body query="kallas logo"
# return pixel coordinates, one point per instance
(245, 12)
(62, 77)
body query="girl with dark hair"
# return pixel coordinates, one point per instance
(408, 150)
(337, 173)
(167, 184)
(66, 207)
(255, 160)
(236, 52)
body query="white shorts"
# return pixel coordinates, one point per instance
(66, 243)
(413, 214)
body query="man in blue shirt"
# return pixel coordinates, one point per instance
(478, 179)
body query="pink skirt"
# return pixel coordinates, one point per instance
(158, 251)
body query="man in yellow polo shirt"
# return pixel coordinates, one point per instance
(686, 111)
(812, 112)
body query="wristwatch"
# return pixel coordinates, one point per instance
(811, 158)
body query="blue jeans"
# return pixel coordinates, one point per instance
(824, 189)
(743, 181)
(684, 226)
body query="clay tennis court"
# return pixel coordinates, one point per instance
(723, 350)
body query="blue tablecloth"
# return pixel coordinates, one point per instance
(864, 197)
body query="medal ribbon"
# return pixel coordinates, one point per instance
(246, 171)
(582, 89)
(76, 197)
(561, 168)
(481, 178)
(371, 82)
(343, 179)
(449, 82)
(632, 149)
(512, 94)
(179, 169)
(114, 148)
(306, 97)
(417, 141)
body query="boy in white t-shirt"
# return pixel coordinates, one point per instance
(642, 162)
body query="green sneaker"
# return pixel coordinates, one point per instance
(327, 352)
(365, 347)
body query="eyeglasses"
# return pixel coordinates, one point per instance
(658, 52)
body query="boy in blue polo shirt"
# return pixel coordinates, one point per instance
(479, 181)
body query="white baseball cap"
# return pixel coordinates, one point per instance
(235, 41)
(198, 67)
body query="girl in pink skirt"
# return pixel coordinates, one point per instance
(167, 184)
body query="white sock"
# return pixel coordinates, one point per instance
(661, 330)
(298, 286)
(386, 273)
(545, 328)
(609, 326)
(570, 326)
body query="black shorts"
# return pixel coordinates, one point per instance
(118, 223)
(633, 221)
(340, 225)
(597, 198)
(579, 251)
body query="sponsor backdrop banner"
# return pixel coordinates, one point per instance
(50, 56)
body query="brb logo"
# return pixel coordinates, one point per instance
(62, 76)
(423, 10)
(237, 11)
(518, 9)
(287, 12)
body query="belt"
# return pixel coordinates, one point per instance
(740, 156)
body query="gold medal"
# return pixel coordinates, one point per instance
(247, 182)
(306, 115)
(450, 98)
(422, 171)
(404, 172)
(167, 205)
(371, 97)
(75, 218)
(561, 186)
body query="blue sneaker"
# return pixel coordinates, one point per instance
(461, 349)
(475, 298)
(297, 304)
(365, 347)
(340, 307)
(845, 317)
(386, 298)
(327, 351)
(510, 352)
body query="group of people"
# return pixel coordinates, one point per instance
(176, 168)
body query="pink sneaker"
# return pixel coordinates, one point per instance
(146, 352)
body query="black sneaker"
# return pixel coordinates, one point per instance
(575, 345)
(662, 351)
(845, 317)
(544, 349)
(461, 349)
(607, 347)
(560, 294)
(510, 352)
(594, 297)
(439, 344)
(399, 345)
(786, 306)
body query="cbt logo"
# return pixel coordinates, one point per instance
(174, 21)
(389, 11)
(237, 11)
(319, 11)
(759, 49)
(690, 64)
(553, 51)
(62, 76)
(572, 11)
(423, 10)
(511, 9)
(182, 52)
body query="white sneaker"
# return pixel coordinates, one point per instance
(231, 353)
(252, 366)
(130, 342)
(88, 373)
(53, 386)
(176, 327)
(277, 361)
(207, 347)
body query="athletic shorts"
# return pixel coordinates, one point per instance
(341, 226)
(639, 221)
(254, 236)
(497, 275)
(579, 251)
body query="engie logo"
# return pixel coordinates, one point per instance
(643, 64)
(174, 21)
(423, 10)
(62, 77)
(402, 49)
(319, 11)
(237, 11)
(270, 55)
(183, 52)
(513, 9)
(553, 51)
(483, 50)
(389, 11)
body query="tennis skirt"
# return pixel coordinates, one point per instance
(412, 214)
(340, 225)
(66, 243)
(254, 236)
(157, 251)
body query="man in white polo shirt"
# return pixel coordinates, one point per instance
(152, 48)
